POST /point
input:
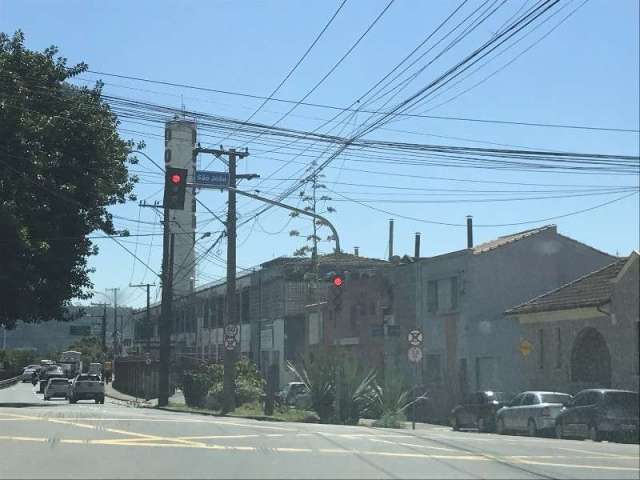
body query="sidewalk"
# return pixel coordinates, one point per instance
(111, 392)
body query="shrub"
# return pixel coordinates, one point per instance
(195, 386)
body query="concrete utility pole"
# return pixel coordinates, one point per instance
(230, 352)
(115, 319)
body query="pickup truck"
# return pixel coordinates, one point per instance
(86, 387)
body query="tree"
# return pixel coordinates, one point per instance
(314, 204)
(62, 164)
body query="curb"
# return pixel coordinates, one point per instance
(261, 418)
(130, 401)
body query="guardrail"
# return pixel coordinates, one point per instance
(9, 382)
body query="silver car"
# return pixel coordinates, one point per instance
(531, 412)
(56, 387)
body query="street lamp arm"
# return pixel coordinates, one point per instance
(294, 209)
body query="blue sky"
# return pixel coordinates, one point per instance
(585, 72)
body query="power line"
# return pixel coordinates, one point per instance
(411, 115)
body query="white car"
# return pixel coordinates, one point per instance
(56, 387)
(27, 373)
(531, 412)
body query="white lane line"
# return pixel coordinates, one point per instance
(591, 452)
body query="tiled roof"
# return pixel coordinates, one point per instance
(592, 289)
(514, 237)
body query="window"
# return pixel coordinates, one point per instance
(541, 349)
(586, 398)
(454, 293)
(517, 400)
(530, 399)
(433, 371)
(432, 296)
(558, 348)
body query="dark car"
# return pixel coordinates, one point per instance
(600, 414)
(51, 371)
(478, 410)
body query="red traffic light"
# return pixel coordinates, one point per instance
(338, 281)
(175, 178)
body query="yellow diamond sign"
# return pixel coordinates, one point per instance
(525, 347)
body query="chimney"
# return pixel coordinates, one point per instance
(356, 251)
(390, 239)
(417, 246)
(469, 231)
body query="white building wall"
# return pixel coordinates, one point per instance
(180, 138)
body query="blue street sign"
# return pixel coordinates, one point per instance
(212, 179)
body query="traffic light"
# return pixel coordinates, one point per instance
(337, 286)
(175, 185)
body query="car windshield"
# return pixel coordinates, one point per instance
(626, 400)
(555, 398)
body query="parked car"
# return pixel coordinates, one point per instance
(86, 387)
(56, 387)
(478, 410)
(600, 414)
(531, 412)
(291, 391)
(51, 371)
(27, 373)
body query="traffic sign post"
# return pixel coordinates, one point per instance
(415, 339)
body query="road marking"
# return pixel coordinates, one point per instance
(412, 445)
(24, 439)
(591, 452)
(567, 465)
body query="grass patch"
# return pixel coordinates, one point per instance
(390, 421)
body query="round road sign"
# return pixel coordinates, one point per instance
(415, 338)
(231, 329)
(230, 342)
(414, 354)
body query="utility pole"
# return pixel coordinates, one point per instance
(104, 324)
(230, 352)
(148, 286)
(166, 316)
(115, 319)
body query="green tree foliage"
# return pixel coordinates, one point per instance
(209, 379)
(62, 164)
(12, 361)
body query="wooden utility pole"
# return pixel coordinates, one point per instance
(104, 324)
(166, 315)
(231, 320)
(148, 287)
(116, 343)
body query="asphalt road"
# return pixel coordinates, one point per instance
(54, 439)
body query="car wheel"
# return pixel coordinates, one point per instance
(500, 427)
(455, 424)
(46, 398)
(532, 430)
(595, 434)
